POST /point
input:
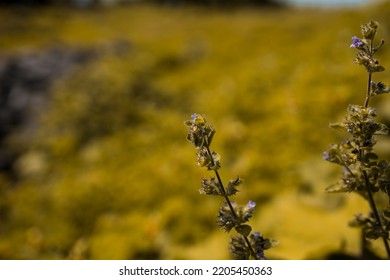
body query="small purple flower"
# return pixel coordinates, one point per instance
(193, 116)
(356, 42)
(251, 204)
(247, 211)
(326, 156)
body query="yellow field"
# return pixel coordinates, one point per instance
(108, 174)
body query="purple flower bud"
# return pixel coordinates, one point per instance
(356, 42)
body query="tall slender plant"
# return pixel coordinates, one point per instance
(364, 172)
(248, 244)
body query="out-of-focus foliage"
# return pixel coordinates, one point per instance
(106, 173)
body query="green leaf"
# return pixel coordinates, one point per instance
(339, 126)
(382, 129)
(338, 188)
(375, 233)
(386, 213)
(371, 156)
(210, 135)
(231, 188)
(243, 229)
(210, 187)
(379, 46)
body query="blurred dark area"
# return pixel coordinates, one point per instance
(218, 3)
(26, 2)
(25, 80)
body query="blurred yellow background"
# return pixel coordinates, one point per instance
(96, 164)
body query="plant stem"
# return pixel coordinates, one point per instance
(220, 183)
(368, 93)
(375, 211)
(368, 90)
(371, 200)
(223, 191)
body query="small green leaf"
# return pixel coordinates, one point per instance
(215, 163)
(379, 46)
(231, 188)
(339, 126)
(243, 229)
(338, 188)
(376, 233)
(386, 213)
(382, 129)
(371, 156)
(210, 135)
(210, 187)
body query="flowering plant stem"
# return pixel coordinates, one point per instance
(370, 195)
(223, 192)
(366, 174)
(247, 245)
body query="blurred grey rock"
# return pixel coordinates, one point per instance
(25, 81)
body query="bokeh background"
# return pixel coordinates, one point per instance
(94, 162)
